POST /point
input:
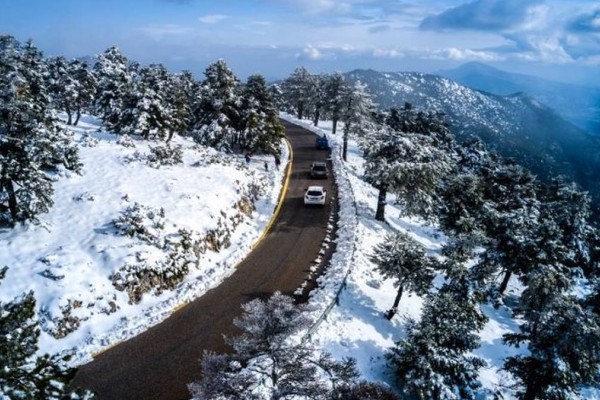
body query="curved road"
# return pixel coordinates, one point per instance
(159, 363)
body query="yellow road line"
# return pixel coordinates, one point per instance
(110, 346)
(281, 196)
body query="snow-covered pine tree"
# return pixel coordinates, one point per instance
(217, 117)
(31, 140)
(71, 85)
(334, 102)
(297, 89)
(461, 193)
(23, 375)
(510, 217)
(562, 335)
(182, 97)
(370, 391)
(401, 258)
(60, 85)
(316, 97)
(561, 329)
(357, 113)
(407, 164)
(433, 361)
(145, 110)
(85, 87)
(114, 76)
(567, 208)
(279, 97)
(268, 363)
(262, 130)
(382, 153)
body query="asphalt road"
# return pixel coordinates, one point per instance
(159, 363)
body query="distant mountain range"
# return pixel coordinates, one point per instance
(516, 125)
(577, 104)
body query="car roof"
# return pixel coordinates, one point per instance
(315, 188)
(319, 163)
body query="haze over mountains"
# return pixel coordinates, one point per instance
(577, 104)
(516, 125)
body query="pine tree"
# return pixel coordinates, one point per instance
(85, 88)
(567, 208)
(335, 89)
(22, 373)
(217, 118)
(562, 336)
(510, 218)
(357, 113)
(401, 258)
(561, 330)
(297, 89)
(370, 391)
(268, 364)
(182, 96)
(145, 110)
(280, 100)
(114, 76)
(316, 97)
(31, 140)
(462, 192)
(71, 85)
(262, 130)
(408, 164)
(432, 362)
(60, 85)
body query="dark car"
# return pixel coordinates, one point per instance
(322, 143)
(318, 169)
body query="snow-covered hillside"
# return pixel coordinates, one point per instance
(129, 240)
(356, 326)
(578, 104)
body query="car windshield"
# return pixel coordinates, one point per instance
(314, 193)
(320, 168)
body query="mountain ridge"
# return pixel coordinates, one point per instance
(516, 126)
(576, 103)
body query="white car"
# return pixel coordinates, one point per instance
(315, 195)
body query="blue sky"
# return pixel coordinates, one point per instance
(556, 39)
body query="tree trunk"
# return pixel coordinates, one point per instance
(300, 109)
(317, 115)
(77, 117)
(504, 283)
(531, 391)
(380, 213)
(392, 311)
(69, 115)
(7, 184)
(335, 121)
(345, 142)
(169, 136)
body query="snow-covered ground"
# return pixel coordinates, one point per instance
(356, 326)
(70, 259)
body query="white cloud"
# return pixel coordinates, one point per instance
(158, 32)
(470, 55)
(387, 53)
(212, 19)
(310, 52)
(450, 53)
(322, 6)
